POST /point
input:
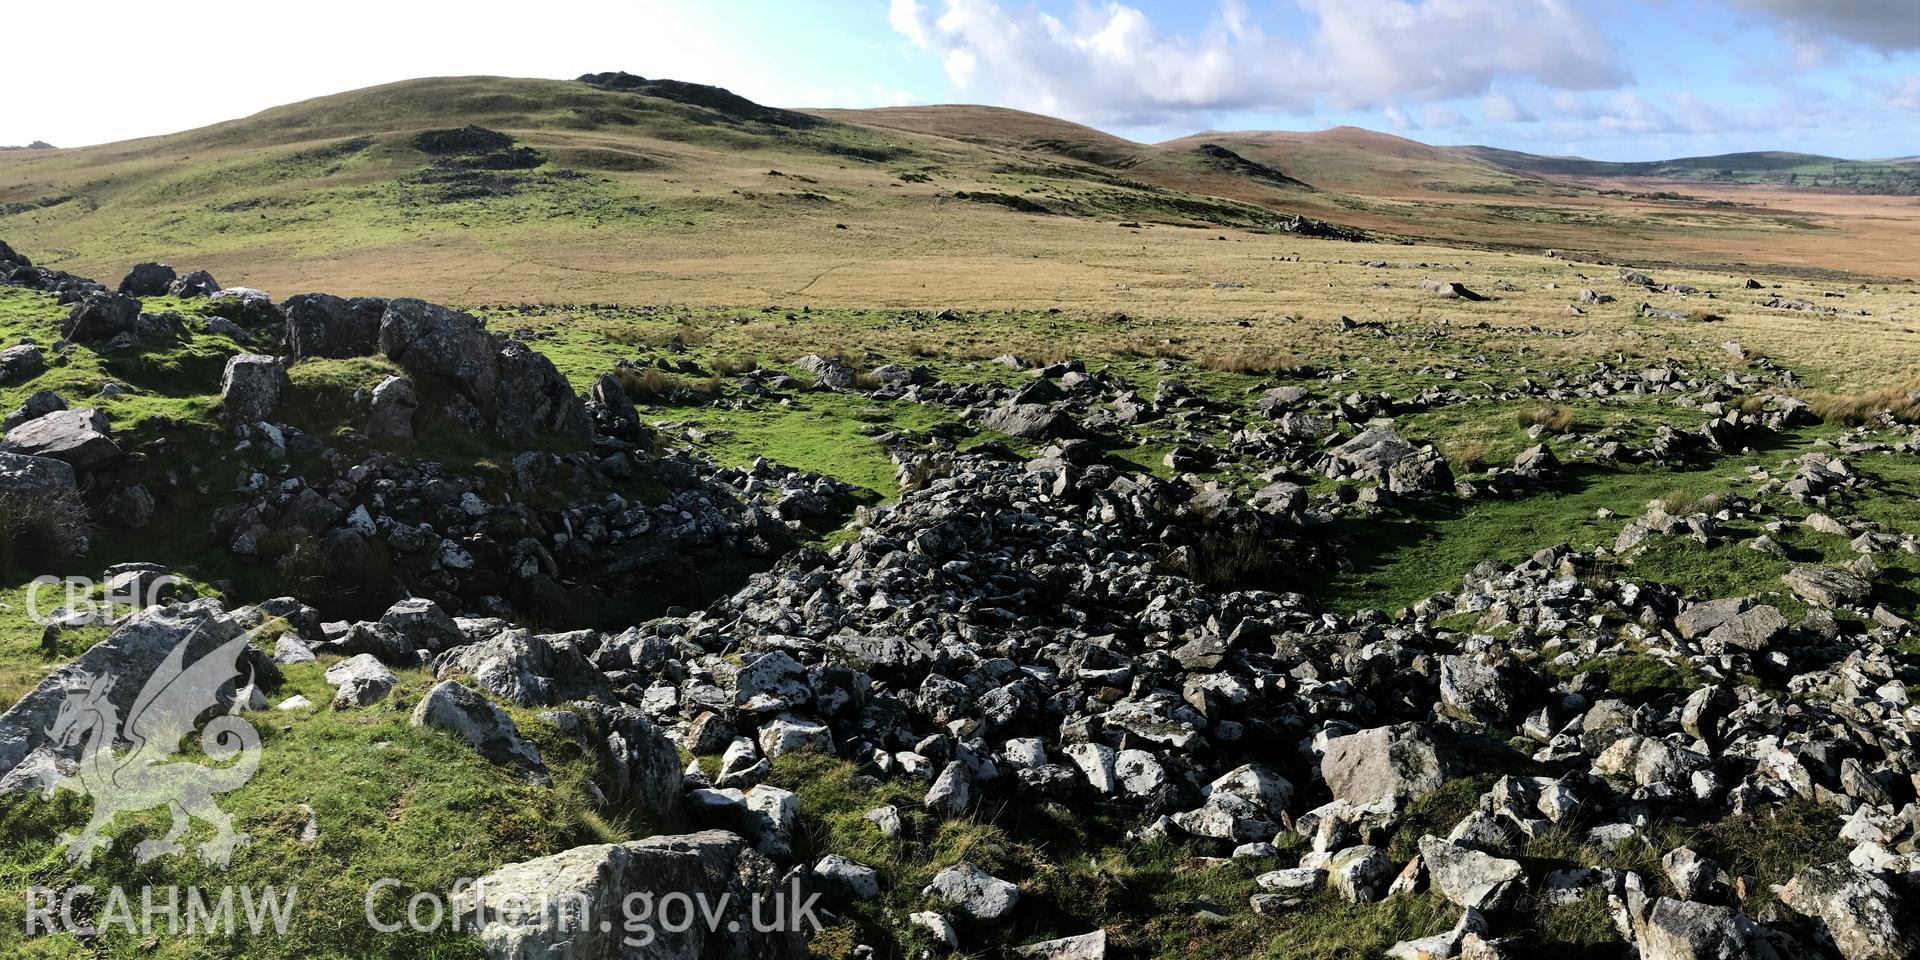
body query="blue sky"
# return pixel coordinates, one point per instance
(1609, 79)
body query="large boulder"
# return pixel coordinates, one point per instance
(252, 309)
(486, 728)
(1384, 456)
(27, 479)
(1684, 930)
(1470, 878)
(1491, 693)
(78, 437)
(973, 892)
(196, 284)
(250, 388)
(38, 404)
(1031, 421)
(576, 904)
(642, 763)
(534, 398)
(323, 325)
(21, 363)
(525, 669)
(1403, 762)
(131, 655)
(423, 625)
(1827, 586)
(359, 681)
(517, 390)
(1860, 912)
(147, 280)
(427, 339)
(100, 318)
(1646, 761)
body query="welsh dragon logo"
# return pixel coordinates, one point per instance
(145, 777)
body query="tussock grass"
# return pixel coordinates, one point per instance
(733, 366)
(1253, 362)
(1683, 502)
(1900, 400)
(1466, 456)
(1554, 417)
(652, 385)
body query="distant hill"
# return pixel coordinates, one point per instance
(1775, 168)
(1353, 160)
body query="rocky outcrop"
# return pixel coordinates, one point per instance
(323, 325)
(516, 391)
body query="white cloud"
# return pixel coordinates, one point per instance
(1501, 108)
(1110, 63)
(1398, 119)
(1444, 117)
(1905, 94)
(1440, 49)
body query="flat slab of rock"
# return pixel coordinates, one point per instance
(80, 438)
(521, 910)
(1827, 586)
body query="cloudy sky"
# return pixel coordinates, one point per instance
(1610, 79)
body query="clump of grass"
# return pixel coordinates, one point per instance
(1901, 401)
(734, 366)
(683, 334)
(1469, 456)
(1685, 503)
(651, 385)
(1236, 556)
(1254, 362)
(1641, 676)
(1554, 417)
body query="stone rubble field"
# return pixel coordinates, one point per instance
(1054, 656)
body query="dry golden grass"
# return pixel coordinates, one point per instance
(650, 385)
(733, 366)
(1554, 417)
(1901, 401)
(1466, 456)
(1255, 362)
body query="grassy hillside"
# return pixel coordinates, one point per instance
(675, 192)
(1352, 160)
(1001, 127)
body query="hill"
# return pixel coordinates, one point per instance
(620, 187)
(1003, 128)
(1776, 168)
(1353, 160)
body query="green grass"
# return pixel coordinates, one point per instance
(391, 800)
